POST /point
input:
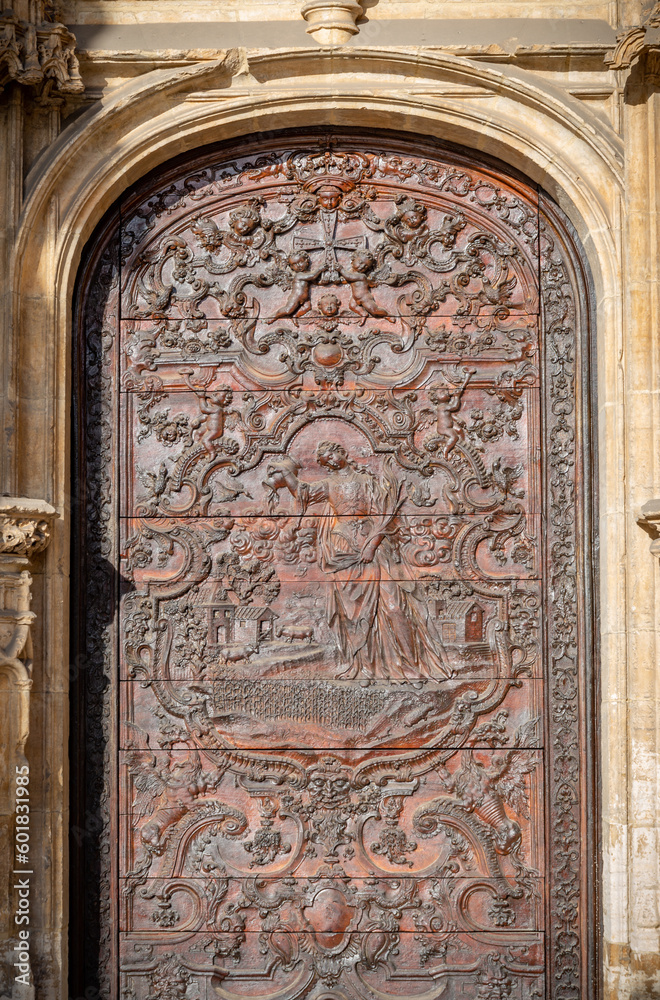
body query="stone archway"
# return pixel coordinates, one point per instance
(410, 797)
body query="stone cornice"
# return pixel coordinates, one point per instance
(641, 42)
(24, 526)
(40, 55)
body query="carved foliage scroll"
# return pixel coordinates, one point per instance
(331, 500)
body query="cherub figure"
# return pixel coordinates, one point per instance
(408, 228)
(329, 306)
(247, 239)
(447, 403)
(361, 280)
(215, 411)
(302, 276)
(484, 789)
(165, 791)
(328, 313)
(246, 218)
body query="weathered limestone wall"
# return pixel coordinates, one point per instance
(531, 83)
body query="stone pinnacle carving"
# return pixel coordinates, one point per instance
(332, 22)
(40, 55)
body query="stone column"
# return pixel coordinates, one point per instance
(24, 532)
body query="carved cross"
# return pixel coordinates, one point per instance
(330, 244)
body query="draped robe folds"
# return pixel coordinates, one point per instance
(376, 609)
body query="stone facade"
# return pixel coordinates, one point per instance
(97, 93)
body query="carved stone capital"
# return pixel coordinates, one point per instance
(649, 520)
(24, 526)
(40, 55)
(332, 22)
(640, 43)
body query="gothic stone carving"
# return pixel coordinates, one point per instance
(338, 490)
(40, 55)
(640, 45)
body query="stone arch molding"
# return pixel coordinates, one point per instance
(542, 132)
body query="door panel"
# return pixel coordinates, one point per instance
(331, 576)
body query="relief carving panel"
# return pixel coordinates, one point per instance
(323, 378)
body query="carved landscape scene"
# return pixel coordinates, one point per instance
(335, 471)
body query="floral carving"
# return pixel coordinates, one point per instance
(24, 536)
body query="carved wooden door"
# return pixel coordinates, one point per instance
(335, 716)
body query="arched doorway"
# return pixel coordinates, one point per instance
(333, 561)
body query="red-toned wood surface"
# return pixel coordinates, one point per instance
(319, 414)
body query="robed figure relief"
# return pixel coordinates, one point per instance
(375, 607)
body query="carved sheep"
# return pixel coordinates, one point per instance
(238, 651)
(291, 632)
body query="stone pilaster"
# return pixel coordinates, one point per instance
(24, 532)
(631, 694)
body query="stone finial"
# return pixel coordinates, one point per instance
(40, 55)
(24, 526)
(332, 22)
(649, 520)
(640, 41)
